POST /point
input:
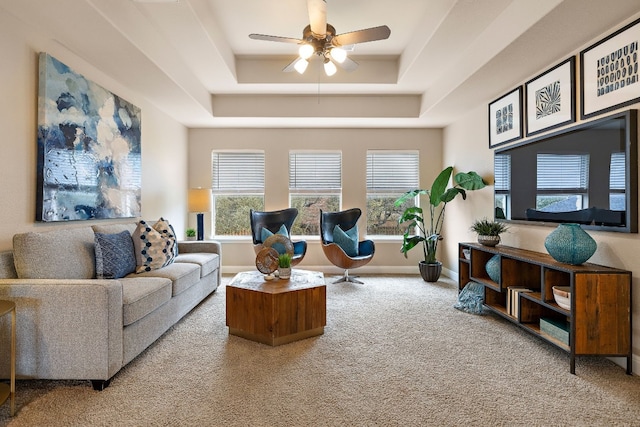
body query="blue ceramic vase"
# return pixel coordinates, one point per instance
(570, 244)
(493, 268)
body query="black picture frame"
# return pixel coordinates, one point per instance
(505, 118)
(609, 74)
(550, 98)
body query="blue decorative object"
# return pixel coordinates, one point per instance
(471, 298)
(493, 268)
(346, 239)
(265, 234)
(570, 244)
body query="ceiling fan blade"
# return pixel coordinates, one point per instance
(362, 36)
(348, 64)
(318, 17)
(292, 66)
(274, 38)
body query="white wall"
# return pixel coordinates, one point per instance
(164, 141)
(238, 253)
(470, 134)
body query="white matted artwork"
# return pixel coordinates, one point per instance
(550, 98)
(609, 76)
(505, 118)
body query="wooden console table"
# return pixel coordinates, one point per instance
(278, 311)
(599, 319)
(9, 390)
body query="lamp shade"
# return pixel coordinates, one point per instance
(199, 200)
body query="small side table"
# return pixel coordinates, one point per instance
(6, 391)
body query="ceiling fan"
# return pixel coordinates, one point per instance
(320, 38)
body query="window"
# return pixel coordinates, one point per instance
(617, 185)
(389, 174)
(502, 171)
(237, 185)
(562, 182)
(315, 182)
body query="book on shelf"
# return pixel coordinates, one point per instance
(513, 305)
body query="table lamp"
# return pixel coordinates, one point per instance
(200, 202)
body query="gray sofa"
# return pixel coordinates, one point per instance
(71, 325)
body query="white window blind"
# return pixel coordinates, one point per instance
(237, 172)
(317, 171)
(502, 172)
(617, 171)
(563, 171)
(392, 171)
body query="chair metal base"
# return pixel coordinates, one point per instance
(347, 278)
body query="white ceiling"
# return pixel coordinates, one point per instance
(195, 61)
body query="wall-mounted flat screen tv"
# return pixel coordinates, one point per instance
(586, 174)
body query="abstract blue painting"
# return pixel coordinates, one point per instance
(88, 148)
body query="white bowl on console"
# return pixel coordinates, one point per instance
(562, 295)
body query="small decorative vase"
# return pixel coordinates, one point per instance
(430, 272)
(284, 273)
(570, 244)
(493, 268)
(488, 240)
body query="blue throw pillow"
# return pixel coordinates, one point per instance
(115, 256)
(347, 240)
(265, 234)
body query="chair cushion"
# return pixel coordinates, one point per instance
(208, 262)
(142, 295)
(265, 234)
(115, 257)
(155, 246)
(347, 240)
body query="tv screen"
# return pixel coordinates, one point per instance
(586, 174)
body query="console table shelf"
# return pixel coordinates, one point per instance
(599, 321)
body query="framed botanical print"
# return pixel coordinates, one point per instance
(550, 98)
(505, 118)
(609, 76)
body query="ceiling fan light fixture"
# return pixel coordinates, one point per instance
(305, 51)
(301, 65)
(329, 67)
(338, 54)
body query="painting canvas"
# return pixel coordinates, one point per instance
(88, 148)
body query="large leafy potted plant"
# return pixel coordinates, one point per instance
(430, 224)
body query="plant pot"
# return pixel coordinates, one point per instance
(191, 238)
(430, 272)
(488, 240)
(284, 272)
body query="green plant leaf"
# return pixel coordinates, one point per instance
(439, 186)
(409, 195)
(469, 180)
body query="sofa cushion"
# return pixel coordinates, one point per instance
(182, 275)
(266, 233)
(115, 257)
(208, 262)
(155, 245)
(60, 254)
(114, 228)
(142, 295)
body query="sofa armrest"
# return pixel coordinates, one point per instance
(66, 329)
(192, 246)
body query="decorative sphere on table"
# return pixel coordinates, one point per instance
(570, 244)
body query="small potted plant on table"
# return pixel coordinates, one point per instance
(488, 231)
(191, 234)
(284, 266)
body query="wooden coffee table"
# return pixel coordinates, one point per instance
(279, 311)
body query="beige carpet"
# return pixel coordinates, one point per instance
(394, 353)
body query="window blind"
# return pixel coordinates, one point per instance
(396, 171)
(617, 171)
(502, 171)
(318, 171)
(563, 171)
(237, 171)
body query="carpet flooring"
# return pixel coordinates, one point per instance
(394, 353)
